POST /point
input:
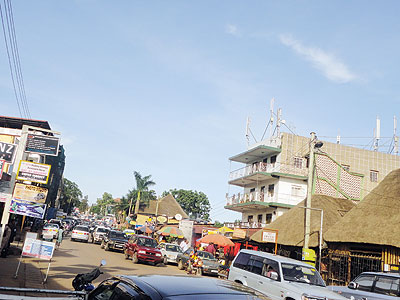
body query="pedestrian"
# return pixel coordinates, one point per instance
(211, 249)
(4, 242)
(60, 237)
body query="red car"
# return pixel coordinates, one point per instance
(142, 248)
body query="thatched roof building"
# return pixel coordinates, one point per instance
(375, 219)
(290, 226)
(167, 206)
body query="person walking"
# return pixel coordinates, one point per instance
(60, 237)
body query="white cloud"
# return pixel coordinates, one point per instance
(328, 64)
(233, 30)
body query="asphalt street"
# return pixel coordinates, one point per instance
(79, 257)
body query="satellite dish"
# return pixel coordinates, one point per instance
(178, 217)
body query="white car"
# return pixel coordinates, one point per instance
(279, 277)
(98, 234)
(169, 252)
(80, 233)
(50, 231)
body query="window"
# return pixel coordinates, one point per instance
(252, 190)
(259, 218)
(296, 190)
(373, 176)
(346, 167)
(271, 188)
(387, 286)
(270, 266)
(242, 260)
(256, 264)
(268, 218)
(273, 159)
(365, 283)
(250, 218)
(298, 162)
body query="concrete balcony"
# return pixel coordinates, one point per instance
(245, 224)
(242, 202)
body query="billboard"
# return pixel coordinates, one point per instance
(34, 172)
(30, 193)
(7, 152)
(42, 144)
(26, 208)
(38, 249)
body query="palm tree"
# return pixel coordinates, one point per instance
(142, 190)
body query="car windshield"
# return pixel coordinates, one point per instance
(173, 248)
(147, 242)
(117, 235)
(206, 255)
(82, 228)
(51, 226)
(101, 230)
(303, 274)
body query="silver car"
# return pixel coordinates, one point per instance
(80, 233)
(371, 286)
(169, 252)
(279, 277)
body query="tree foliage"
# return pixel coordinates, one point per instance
(194, 203)
(84, 205)
(71, 196)
(104, 205)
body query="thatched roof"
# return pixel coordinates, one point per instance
(290, 225)
(167, 206)
(375, 219)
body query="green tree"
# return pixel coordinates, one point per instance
(84, 203)
(218, 224)
(70, 196)
(104, 205)
(194, 203)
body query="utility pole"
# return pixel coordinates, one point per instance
(307, 220)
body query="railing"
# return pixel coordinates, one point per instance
(249, 197)
(268, 168)
(245, 224)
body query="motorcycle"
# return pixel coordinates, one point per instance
(83, 282)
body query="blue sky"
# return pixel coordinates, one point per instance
(165, 87)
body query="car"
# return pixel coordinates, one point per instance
(169, 252)
(210, 264)
(279, 277)
(98, 234)
(50, 231)
(371, 286)
(114, 240)
(157, 287)
(55, 221)
(80, 233)
(129, 232)
(142, 248)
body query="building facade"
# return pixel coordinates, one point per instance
(274, 176)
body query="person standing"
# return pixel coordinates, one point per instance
(211, 249)
(60, 237)
(4, 242)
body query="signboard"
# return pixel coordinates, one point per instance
(30, 193)
(239, 233)
(42, 144)
(25, 208)
(269, 236)
(34, 172)
(3, 197)
(2, 164)
(7, 152)
(31, 235)
(187, 228)
(38, 249)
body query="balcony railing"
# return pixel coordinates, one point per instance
(245, 224)
(268, 168)
(249, 197)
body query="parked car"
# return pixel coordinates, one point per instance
(169, 252)
(114, 240)
(371, 286)
(159, 287)
(50, 230)
(210, 263)
(98, 234)
(279, 277)
(80, 233)
(143, 248)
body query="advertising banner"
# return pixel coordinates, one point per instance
(239, 233)
(30, 193)
(25, 208)
(38, 249)
(7, 152)
(42, 144)
(187, 228)
(34, 172)
(3, 197)
(269, 236)
(2, 164)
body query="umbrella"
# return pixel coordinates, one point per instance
(146, 229)
(217, 239)
(171, 231)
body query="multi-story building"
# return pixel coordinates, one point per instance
(275, 174)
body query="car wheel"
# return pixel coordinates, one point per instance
(199, 271)
(165, 261)
(135, 259)
(180, 265)
(126, 254)
(102, 245)
(107, 247)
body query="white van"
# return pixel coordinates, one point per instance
(279, 277)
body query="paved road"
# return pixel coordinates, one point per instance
(77, 257)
